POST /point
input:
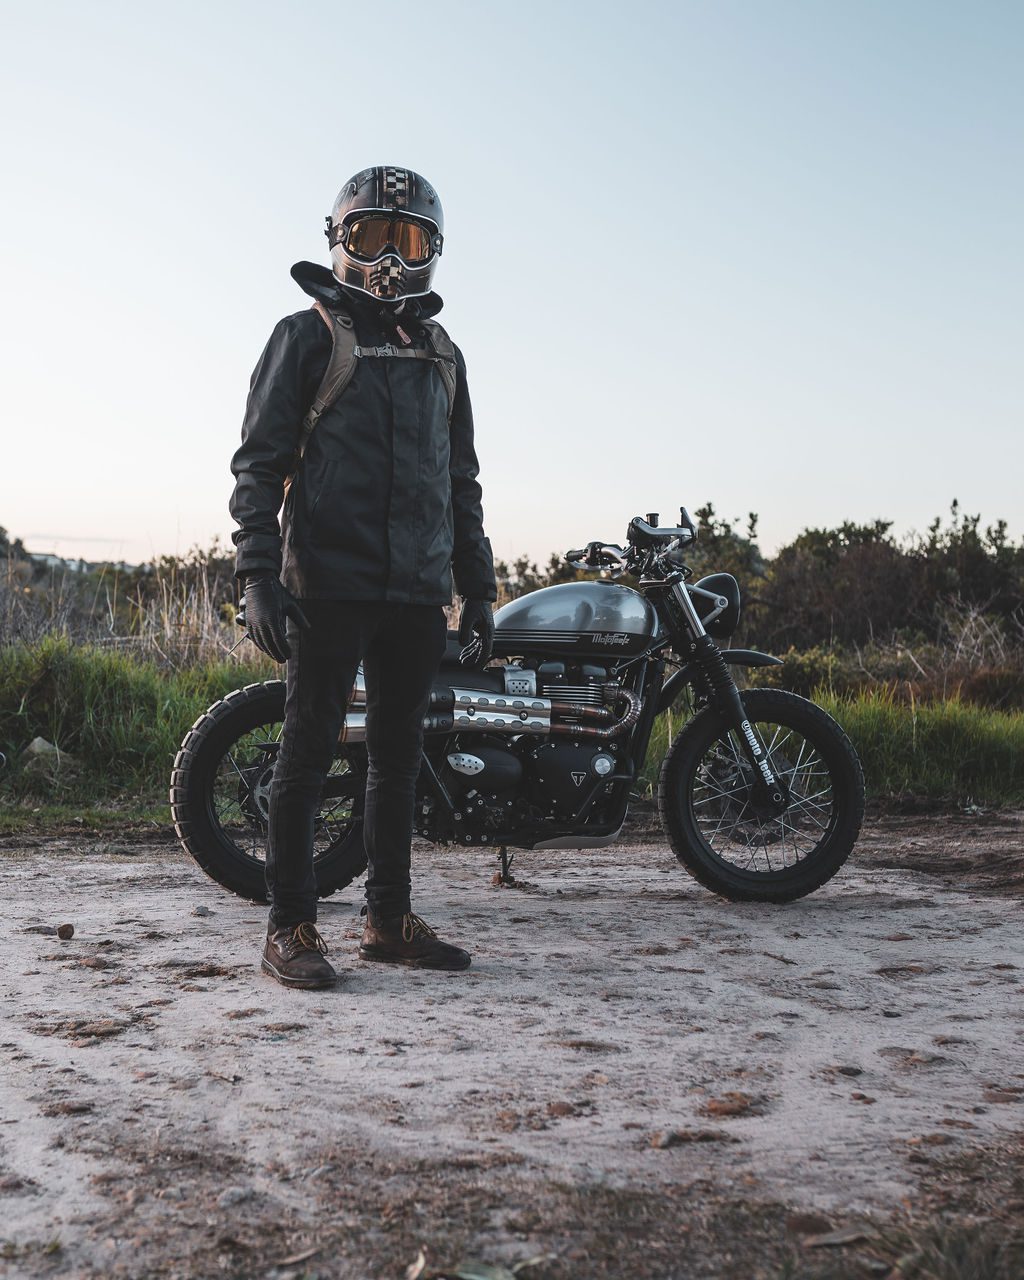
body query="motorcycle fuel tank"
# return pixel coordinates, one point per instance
(598, 619)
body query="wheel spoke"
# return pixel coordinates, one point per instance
(231, 761)
(821, 809)
(731, 811)
(808, 799)
(811, 818)
(722, 795)
(764, 843)
(240, 798)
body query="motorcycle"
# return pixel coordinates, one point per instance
(761, 793)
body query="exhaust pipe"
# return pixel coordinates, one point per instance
(467, 711)
(614, 724)
(474, 711)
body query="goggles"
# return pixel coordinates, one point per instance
(370, 235)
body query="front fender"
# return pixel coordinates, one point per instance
(676, 682)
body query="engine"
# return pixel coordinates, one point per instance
(537, 740)
(565, 746)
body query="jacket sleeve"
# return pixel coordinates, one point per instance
(472, 561)
(279, 396)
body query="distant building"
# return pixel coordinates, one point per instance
(47, 560)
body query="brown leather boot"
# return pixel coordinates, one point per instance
(408, 940)
(294, 956)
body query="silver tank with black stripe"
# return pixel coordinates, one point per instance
(598, 619)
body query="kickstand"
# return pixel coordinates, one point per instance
(503, 877)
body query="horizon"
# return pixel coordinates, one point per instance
(902, 538)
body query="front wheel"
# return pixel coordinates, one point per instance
(720, 828)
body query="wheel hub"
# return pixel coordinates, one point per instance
(744, 797)
(254, 791)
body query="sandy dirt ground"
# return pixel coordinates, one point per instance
(635, 1078)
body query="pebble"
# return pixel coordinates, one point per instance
(201, 911)
(807, 1223)
(65, 931)
(234, 1195)
(561, 1109)
(677, 1137)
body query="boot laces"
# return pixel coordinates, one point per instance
(413, 927)
(306, 937)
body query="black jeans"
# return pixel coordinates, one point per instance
(400, 646)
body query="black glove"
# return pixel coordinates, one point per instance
(264, 607)
(476, 632)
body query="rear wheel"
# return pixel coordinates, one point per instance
(720, 828)
(220, 796)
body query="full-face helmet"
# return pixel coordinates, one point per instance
(386, 230)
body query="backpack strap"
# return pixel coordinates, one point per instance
(444, 352)
(338, 374)
(341, 367)
(441, 352)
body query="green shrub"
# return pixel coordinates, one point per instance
(925, 673)
(805, 670)
(119, 717)
(949, 751)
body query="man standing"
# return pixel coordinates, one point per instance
(384, 507)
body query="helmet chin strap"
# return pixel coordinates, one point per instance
(370, 301)
(386, 312)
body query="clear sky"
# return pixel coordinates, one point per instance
(766, 253)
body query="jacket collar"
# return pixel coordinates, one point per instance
(320, 283)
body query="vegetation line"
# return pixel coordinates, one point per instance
(117, 720)
(916, 645)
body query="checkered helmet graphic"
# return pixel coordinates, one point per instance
(386, 230)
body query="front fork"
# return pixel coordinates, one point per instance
(727, 698)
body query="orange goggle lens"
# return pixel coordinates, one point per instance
(368, 238)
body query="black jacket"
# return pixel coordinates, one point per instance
(385, 504)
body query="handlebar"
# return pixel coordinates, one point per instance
(648, 533)
(597, 555)
(641, 535)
